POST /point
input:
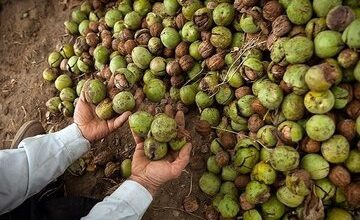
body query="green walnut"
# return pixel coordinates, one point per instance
(290, 132)
(101, 54)
(271, 96)
(244, 105)
(117, 62)
(316, 165)
(176, 144)
(142, 7)
(324, 189)
(221, 37)
(104, 110)
(72, 66)
(228, 207)
(170, 37)
(353, 161)
(53, 104)
(288, 198)
(187, 94)
(223, 14)
(351, 35)
(67, 108)
(78, 16)
(267, 135)
(163, 128)
(248, 24)
(71, 27)
(252, 214)
(112, 16)
(320, 127)
(212, 166)
(294, 77)
(123, 101)
(190, 32)
(229, 173)
(314, 27)
(273, 208)
(157, 66)
(140, 123)
(67, 50)
(203, 100)
(322, 7)
(225, 95)
(336, 149)
(155, 150)
(155, 90)
(263, 172)
(298, 49)
(299, 12)
(277, 52)
(132, 20)
(319, 102)
(234, 78)
(321, 77)
(245, 159)
(328, 44)
(284, 158)
(211, 115)
(171, 7)
(338, 213)
(141, 57)
(55, 59)
(298, 182)
(229, 188)
(50, 74)
(215, 146)
(63, 81)
(209, 183)
(348, 58)
(257, 192)
(94, 91)
(79, 86)
(126, 168)
(68, 94)
(189, 8)
(293, 107)
(194, 52)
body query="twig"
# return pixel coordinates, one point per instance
(24, 110)
(223, 129)
(191, 185)
(158, 208)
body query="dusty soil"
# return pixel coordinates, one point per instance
(30, 29)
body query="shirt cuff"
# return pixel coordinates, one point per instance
(74, 142)
(135, 195)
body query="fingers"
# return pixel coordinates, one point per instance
(181, 161)
(119, 121)
(138, 140)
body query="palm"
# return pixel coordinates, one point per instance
(92, 127)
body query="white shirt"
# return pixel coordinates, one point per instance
(41, 159)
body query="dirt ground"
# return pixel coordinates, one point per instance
(30, 30)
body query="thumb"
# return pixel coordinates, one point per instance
(119, 121)
(181, 161)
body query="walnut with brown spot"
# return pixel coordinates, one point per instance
(222, 158)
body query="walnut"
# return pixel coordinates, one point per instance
(297, 31)
(356, 91)
(222, 158)
(272, 10)
(173, 68)
(309, 145)
(169, 110)
(281, 26)
(107, 42)
(227, 140)
(255, 122)
(347, 128)
(245, 205)
(102, 26)
(92, 39)
(105, 73)
(126, 34)
(240, 4)
(277, 72)
(177, 81)
(339, 18)
(349, 89)
(115, 44)
(339, 176)
(215, 62)
(205, 35)
(242, 91)
(112, 170)
(203, 128)
(142, 36)
(121, 48)
(182, 49)
(129, 46)
(180, 20)
(103, 158)
(206, 49)
(353, 109)
(181, 107)
(155, 29)
(186, 62)
(258, 108)
(203, 19)
(190, 204)
(241, 181)
(284, 87)
(93, 26)
(352, 192)
(211, 213)
(168, 53)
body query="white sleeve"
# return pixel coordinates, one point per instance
(128, 202)
(37, 161)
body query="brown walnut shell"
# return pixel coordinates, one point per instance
(206, 49)
(155, 29)
(186, 63)
(215, 62)
(281, 26)
(129, 46)
(173, 68)
(190, 204)
(347, 128)
(182, 49)
(203, 128)
(340, 176)
(272, 10)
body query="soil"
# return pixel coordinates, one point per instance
(30, 30)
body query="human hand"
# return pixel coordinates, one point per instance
(91, 126)
(152, 174)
